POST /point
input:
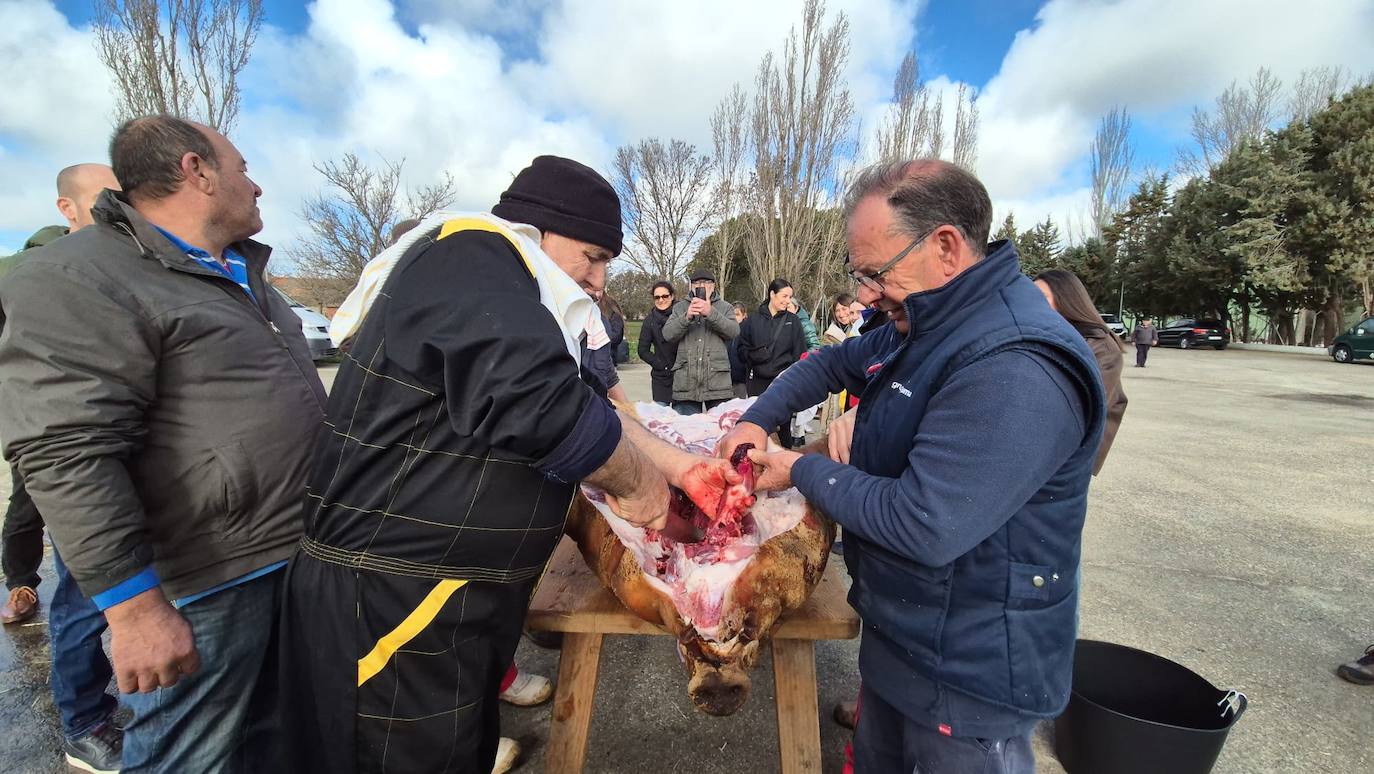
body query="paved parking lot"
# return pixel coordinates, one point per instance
(1232, 531)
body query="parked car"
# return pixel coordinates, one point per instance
(1355, 344)
(1190, 332)
(1114, 323)
(316, 329)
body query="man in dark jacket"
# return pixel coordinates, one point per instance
(965, 496)
(459, 428)
(80, 671)
(656, 350)
(1145, 335)
(701, 328)
(159, 400)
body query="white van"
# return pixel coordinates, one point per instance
(316, 329)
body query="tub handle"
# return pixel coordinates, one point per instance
(1235, 702)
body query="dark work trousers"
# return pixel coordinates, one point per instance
(1142, 351)
(21, 544)
(756, 387)
(886, 742)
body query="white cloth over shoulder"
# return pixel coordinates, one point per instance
(569, 304)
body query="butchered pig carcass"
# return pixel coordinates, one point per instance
(721, 597)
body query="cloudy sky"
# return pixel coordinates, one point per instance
(478, 87)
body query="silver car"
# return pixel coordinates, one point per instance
(316, 329)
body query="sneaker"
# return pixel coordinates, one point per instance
(100, 751)
(21, 606)
(528, 690)
(844, 713)
(1361, 670)
(507, 755)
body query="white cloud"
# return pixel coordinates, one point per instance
(659, 69)
(55, 108)
(479, 87)
(1058, 78)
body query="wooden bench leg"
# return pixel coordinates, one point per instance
(573, 700)
(799, 724)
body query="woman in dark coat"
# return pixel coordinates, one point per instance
(1070, 299)
(772, 338)
(655, 350)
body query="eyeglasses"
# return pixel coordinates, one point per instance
(873, 281)
(660, 298)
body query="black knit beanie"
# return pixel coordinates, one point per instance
(565, 197)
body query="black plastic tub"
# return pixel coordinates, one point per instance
(1132, 712)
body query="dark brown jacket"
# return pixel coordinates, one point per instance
(157, 413)
(1108, 354)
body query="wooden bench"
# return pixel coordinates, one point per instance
(571, 600)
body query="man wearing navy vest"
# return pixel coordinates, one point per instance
(963, 501)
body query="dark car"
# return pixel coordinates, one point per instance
(1355, 344)
(1190, 332)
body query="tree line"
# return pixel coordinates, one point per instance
(1269, 230)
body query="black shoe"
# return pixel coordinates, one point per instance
(100, 751)
(1361, 670)
(545, 640)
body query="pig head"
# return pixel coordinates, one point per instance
(779, 579)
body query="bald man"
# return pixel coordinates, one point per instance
(80, 671)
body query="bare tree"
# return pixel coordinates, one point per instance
(352, 221)
(181, 57)
(665, 197)
(965, 151)
(730, 139)
(801, 128)
(914, 126)
(1110, 163)
(1314, 90)
(1242, 112)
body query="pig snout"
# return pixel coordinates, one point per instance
(719, 691)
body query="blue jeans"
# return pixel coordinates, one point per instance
(80, 669)
(886, 741)
(201, 723)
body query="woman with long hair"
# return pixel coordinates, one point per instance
(1070, 299)
(770, 341)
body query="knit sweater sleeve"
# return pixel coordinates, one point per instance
(465, 314)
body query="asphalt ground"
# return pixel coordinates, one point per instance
(1231, 531)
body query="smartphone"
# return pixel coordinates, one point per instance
(699, 293)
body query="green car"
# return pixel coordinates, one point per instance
(1355, 344)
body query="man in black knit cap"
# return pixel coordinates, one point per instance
(458, 428)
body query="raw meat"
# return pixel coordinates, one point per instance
(759, 559)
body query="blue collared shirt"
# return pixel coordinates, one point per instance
(236, 269)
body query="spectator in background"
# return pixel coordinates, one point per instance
(656, 350)
(166, 445)
(771, 340)
(80, 671)
(614, 321)
(843, 321)
(739, 368)
(1070, 299)
(808, 328)
(701, 328)
(1145, 336)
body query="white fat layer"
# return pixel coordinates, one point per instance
(699, 590)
